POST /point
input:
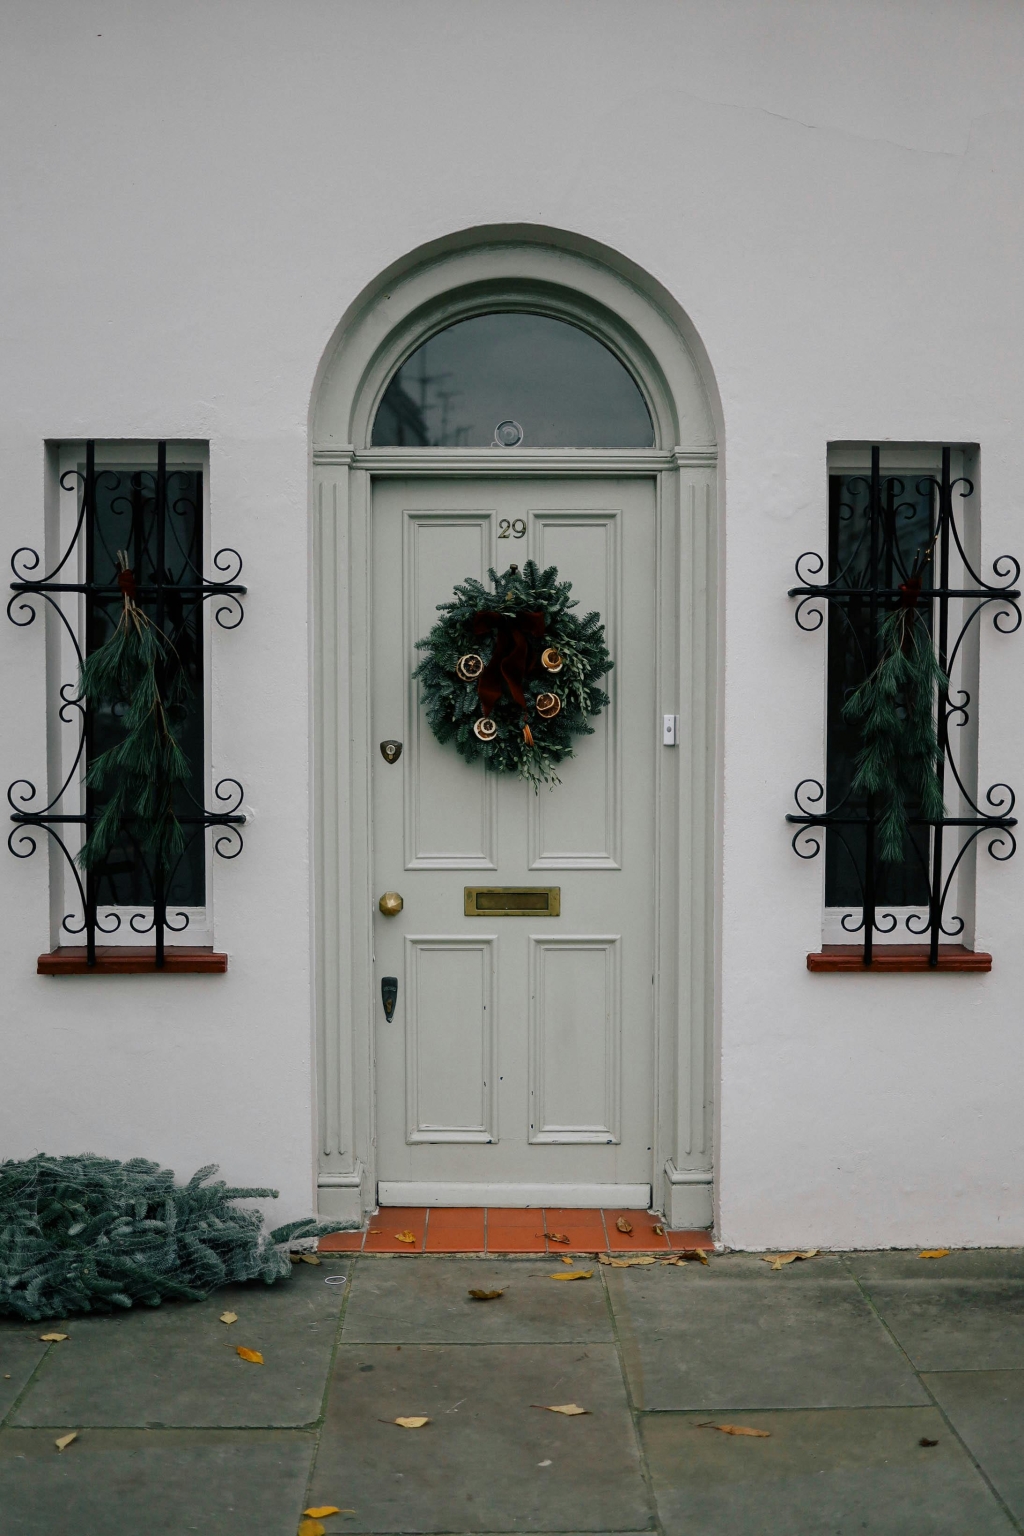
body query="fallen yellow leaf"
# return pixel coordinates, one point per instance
(309, 1258)
(934, 1253)
(604, 1258)
(321, 1511)
(776, 1260)
(573, 1274)
(486, 1295)
(312, 1528)
(411, 1423)
(406, 1237)
(229, 1317)
(567, 1258)
(571, 1410)
(294, 1258)
(65, 1440)
(738, 1429)
(558, 1237)
(659, 1229)
(54, 1338)
(624, 1225)
(252, 1355)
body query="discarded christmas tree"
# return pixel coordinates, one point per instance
(138, 670)
(894, 707)
(88, 1234)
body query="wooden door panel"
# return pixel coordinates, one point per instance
(450, 807)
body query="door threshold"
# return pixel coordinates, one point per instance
(548, 1232)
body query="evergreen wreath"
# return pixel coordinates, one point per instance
(512, 675)
(894, 707)
(138, 668)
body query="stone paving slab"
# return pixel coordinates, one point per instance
(758, 1267)
(20, 1352)
(960, 1264)
(160, 1482)
(176, 1364)
(428, 1303)
(704, 1339)
(848, 1472)
(488, 1460)
(952, 1325)
(987, 1409)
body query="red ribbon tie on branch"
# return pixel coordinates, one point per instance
(511, 662)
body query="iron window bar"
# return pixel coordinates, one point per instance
(22, 611)
(881, 596)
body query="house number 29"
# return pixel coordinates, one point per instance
(512, 530)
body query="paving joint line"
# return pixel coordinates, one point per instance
(162, 1429)
(634, 1412)
(990, 1485)
(16, 1404)
(318, 1423)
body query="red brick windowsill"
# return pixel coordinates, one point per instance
(897, 957)
(111, 960)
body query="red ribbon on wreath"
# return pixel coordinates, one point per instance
(511, 660)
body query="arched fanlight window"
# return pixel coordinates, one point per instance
(504, 379)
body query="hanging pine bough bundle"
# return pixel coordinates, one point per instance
(894, 708)
(512, 675)
(88, 1234)
(137, 667)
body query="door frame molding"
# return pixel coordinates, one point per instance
(573, 280)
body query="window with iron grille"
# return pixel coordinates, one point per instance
(902, 585)
(126, 536)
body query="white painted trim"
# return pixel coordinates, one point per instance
(517, 1196)
(503, 461)
(351, 1180)
(646, 329)
(688, 1202)
(688, 1175)
(429, 292)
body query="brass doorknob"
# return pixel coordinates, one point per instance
(391, 904)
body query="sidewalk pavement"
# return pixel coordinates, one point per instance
(890, 1391)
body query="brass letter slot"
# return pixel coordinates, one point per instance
(513, 900)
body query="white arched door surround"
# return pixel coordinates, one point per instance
(570, 279)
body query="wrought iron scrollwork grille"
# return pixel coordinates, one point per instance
(864, 584)
(154, 505)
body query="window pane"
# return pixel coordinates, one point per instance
(556, 382)
(849, 647)
(127, 517)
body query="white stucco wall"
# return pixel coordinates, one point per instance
(833, 192)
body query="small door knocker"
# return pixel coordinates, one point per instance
(391, 751)
(389, 995)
